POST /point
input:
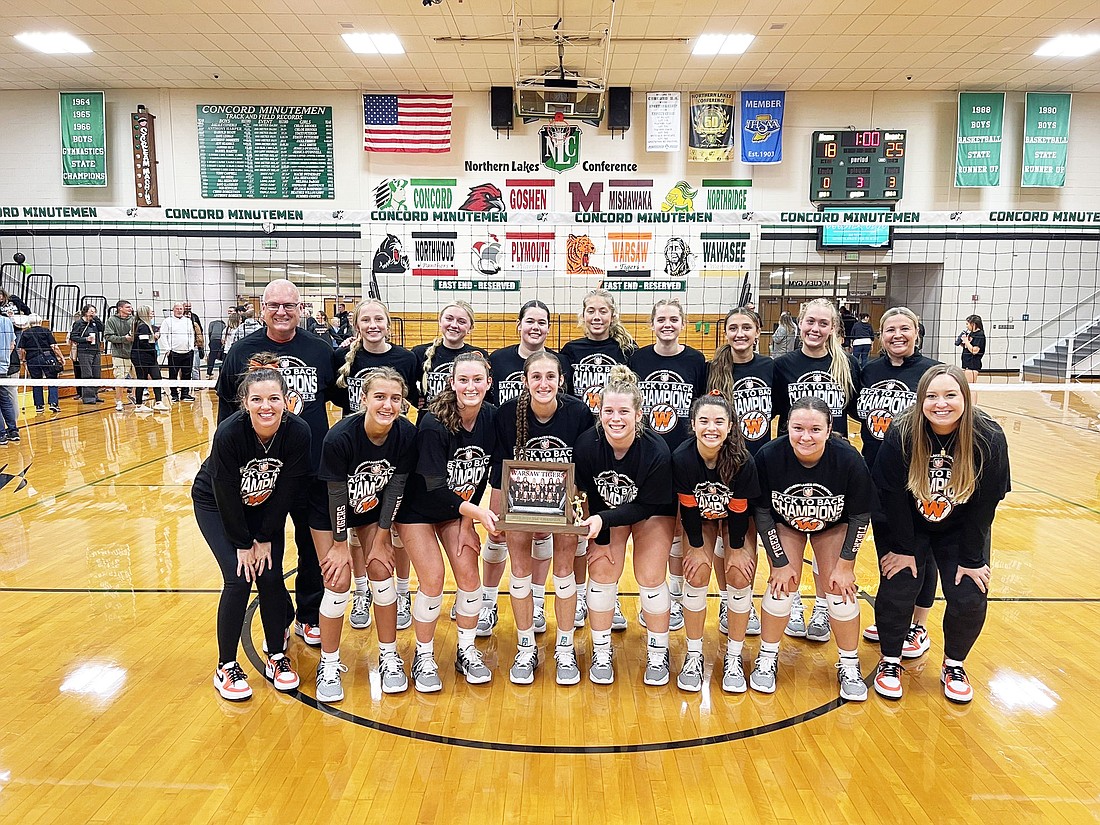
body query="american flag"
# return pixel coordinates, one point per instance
(407, 123)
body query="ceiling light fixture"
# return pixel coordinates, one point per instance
(54, 42)
(1070, 45)
(722, 43)
(364, 43)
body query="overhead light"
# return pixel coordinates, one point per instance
(364, 43)
(722, 43)
(1070, 45)
(53, 42)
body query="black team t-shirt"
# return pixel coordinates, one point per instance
(589, 363)
(752, 400)
(552, 440)
(507, 366)
(669, 383)
(365, 362)
(440, 372)
(308, 365)
(250, 485)
(797, 375)
(349, 456)
(628, 490)
(705, 497)
(451, 468)
(886, 392)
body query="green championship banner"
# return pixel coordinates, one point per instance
(981, 124)
(1046, 139)
(83, 139)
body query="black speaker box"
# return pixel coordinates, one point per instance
(618, 107)
(500, 107)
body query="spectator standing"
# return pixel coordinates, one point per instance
(215, 334)
(144, 356)
(85, 338)
(43, 358)
(785, 337)
(9, 429)
(247, 326)
(199, 351)
(177, 336)
(119, 331)
(862, 336)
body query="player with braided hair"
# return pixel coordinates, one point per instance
(435, 358)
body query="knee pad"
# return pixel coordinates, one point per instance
(676, 551)
(384, 592)
(565, 587)
(776, 607)
(654, 599)
(841, 610)
(601, 597)
(520, 587)
(695, 598)
(543, 549)
(333, 604)
(582, 548)
(425, 607)
(495, 552)
(739, 599)
(719, 548)
(468, 602)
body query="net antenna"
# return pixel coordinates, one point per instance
(546, 83)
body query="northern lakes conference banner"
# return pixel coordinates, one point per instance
(1046, 139)
(978, 148)
(712, 119)
(762, 127)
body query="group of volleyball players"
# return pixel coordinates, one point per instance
(630, 419)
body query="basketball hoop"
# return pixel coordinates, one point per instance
(558, 132)
(559, 117)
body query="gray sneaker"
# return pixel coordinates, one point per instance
(392, 671)
(569, 672)
(796, 625)
(723, 618)
(540, 617)
(329, 689)
(818, 628)
(487, 620)
(676, 616)
(581, 616)
(425, 674)
(404, 611)
(602, 671)
(762, 678)
(657, 668)
(523, 668)
(469, 663)
(754, 623)
(618, 620)
(691, 676)
(851, 683)
(733, 675)
(360, 610)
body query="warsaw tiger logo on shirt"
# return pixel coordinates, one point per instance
(366, 484)
(942, 503)
(666, 399)
(713, 498)
(615, 488)
(301, 381)
(510, 387)
(818, 384)
(808, 507)
(590, 376)
(547, 448)
(880, 403)
(752, 401)
(258, 479)
(466, 470)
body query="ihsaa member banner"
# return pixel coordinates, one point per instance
(762, 127)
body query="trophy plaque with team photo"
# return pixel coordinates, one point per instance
(539, 497)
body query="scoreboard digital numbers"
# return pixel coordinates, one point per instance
(863, 165)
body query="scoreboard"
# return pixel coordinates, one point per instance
(867, 165)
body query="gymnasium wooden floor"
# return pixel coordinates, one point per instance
(109, 595)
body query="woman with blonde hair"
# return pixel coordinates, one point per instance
(819, 368)
(143, 354)
(941, 473)
(434, 359)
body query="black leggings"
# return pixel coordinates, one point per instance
(964, 616)
(927, 595)
(274, 599)
(146, 373)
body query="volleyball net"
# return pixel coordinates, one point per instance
(1031, 277)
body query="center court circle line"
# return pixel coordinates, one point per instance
(512, 747)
